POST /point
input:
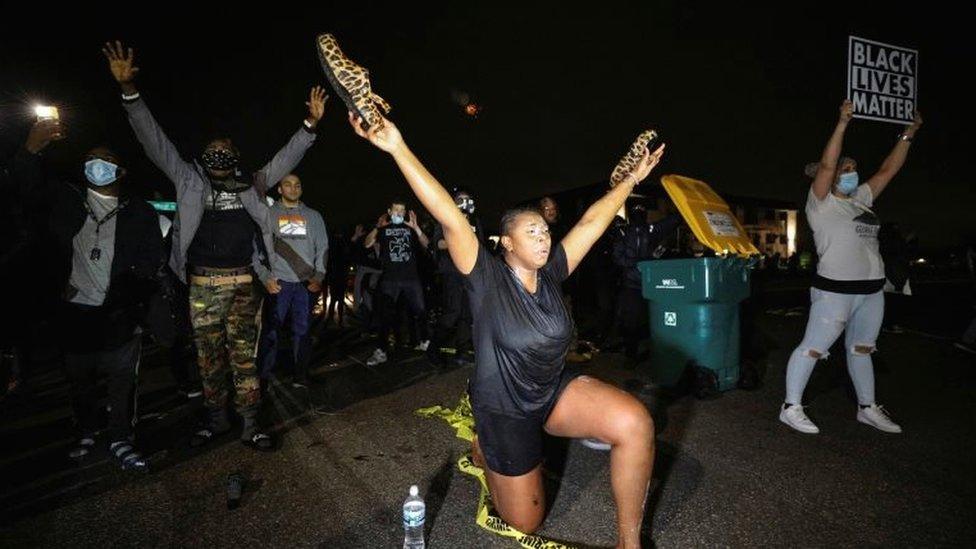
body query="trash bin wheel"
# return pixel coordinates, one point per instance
(706, 383)
(749, 377)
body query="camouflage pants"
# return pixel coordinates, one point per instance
(225, 328)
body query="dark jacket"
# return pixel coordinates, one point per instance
(896, 255)
(13, 230)
(138, 254)
(444, 263)
(638, 243)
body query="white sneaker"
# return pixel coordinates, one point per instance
(877, 417)
(379, 357)
(795, 417)
(422, 346)
(595, 444)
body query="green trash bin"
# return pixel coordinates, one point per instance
(694, 315)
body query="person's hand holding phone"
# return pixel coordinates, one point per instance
(42, 133)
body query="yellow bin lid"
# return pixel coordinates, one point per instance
(709, 217)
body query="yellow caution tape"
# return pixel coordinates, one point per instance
(461, 419)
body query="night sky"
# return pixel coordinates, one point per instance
(744, 99)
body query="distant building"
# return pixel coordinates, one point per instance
(772, 224)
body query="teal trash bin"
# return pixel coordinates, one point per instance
(694, 315)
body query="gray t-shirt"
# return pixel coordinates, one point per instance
(94, 249)
(846, 233)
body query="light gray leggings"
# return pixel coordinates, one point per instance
(859, 316)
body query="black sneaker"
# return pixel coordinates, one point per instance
(434, 355)
(190, 391)
(262, 442)
(205, 434)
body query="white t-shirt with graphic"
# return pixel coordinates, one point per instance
(845, 231)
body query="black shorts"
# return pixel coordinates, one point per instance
(511, 442)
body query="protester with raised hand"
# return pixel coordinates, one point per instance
(216, 233)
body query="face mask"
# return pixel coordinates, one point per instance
(220, 159)
(848, 183)
(397, 219)
(101, 172)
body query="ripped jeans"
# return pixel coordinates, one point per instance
(859, 317)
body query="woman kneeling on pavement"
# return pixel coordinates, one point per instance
(522, 331)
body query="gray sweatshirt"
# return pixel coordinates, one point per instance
(193, 184)
(299, 244)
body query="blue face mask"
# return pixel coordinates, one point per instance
(848, 183)
(396, 219)
(101, 172)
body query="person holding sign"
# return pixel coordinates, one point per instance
(522, 331)
(847, 291)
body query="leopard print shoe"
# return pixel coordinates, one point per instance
(351, 82)
(626, 166)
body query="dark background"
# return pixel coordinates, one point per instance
(744, 97)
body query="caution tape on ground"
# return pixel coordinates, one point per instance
(461, 419)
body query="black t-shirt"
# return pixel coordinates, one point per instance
(225, 238)
(398, 253)
(520, 339)
(557, 231)
(337, 268)
(444, 263)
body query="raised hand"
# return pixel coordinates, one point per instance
(915, 125)
(121, 62)
(846, 111)
(41, 135)
(358, 232)
(412, 220)
(646, 164)
(385, 136)
(316, 105)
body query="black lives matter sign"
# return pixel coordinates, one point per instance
(882, 80)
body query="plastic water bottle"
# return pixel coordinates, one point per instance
(414, 512)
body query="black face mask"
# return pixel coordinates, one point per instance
(220, 159)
